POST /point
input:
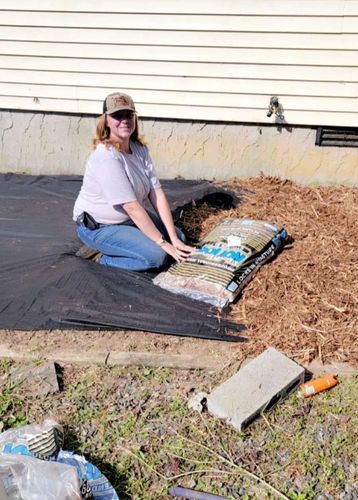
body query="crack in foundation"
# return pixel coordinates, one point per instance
(42, 126)
(5, 130)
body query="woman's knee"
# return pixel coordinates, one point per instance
(155, 257)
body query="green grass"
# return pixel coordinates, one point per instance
(134, 424)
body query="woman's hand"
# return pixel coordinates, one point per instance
(178, 249)
(180, 245)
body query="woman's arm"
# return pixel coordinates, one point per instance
(142, 220)
(160, 204)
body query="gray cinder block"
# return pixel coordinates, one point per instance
(257, 387)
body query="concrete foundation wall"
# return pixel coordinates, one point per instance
(41, 143)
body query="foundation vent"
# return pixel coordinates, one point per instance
(339, 137)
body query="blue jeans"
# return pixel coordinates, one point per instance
(126, 246)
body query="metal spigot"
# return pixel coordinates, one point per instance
(274, 107)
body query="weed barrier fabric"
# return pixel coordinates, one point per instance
(44, 285)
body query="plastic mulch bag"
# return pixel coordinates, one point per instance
(224, 261)
(35, 452)
(27, 478)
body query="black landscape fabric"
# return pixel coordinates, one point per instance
(44, 285)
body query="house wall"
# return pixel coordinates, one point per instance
(211, 64)
(44, 143)
(203, 60)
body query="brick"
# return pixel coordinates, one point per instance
(257, 387)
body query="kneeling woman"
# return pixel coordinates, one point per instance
(119, 178)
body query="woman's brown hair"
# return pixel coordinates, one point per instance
(103, 134)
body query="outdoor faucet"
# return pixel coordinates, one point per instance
(274, 107)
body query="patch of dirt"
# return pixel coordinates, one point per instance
(303, 303)
(84, 342)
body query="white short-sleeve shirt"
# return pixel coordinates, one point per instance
(112, 178)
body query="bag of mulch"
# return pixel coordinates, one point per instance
(34, 466)
(224, 261)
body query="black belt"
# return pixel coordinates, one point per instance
(85, 219)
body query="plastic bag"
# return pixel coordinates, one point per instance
(42, 443)
(27, 478)
(93, 483)
(224, 261)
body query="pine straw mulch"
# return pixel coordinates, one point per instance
(304, 302)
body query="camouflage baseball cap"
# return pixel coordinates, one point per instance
(116, 102)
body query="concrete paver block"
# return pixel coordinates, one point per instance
(36, 380)
(257, 387)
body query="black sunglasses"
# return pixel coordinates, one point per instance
(125, 114)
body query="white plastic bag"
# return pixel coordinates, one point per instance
(27, 478)
(36, 451)
(37, 440)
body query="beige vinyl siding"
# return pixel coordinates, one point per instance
(204, 60)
